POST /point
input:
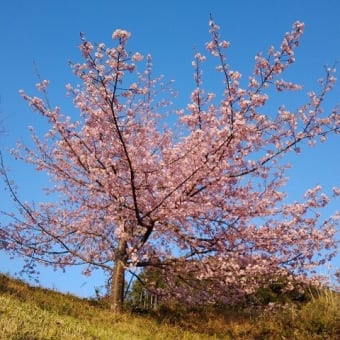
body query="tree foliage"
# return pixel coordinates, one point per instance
(201, 198)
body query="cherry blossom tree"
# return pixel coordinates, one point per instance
(200, 198)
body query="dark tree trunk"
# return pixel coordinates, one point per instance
(118, 280)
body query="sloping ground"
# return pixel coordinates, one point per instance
(35, 313)
(29, 313)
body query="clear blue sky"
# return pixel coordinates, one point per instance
(47, 33)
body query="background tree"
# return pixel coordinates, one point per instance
(199, 198)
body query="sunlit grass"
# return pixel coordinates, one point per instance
(35, 313)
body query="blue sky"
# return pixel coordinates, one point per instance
(46, 33)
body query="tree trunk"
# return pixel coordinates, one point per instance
(118, 280)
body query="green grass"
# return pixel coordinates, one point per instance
(34, 313)
(29, 313)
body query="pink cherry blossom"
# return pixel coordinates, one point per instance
(137, 57)
(200, 199)
(121, 34)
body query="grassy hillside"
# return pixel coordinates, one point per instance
(35, 313)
